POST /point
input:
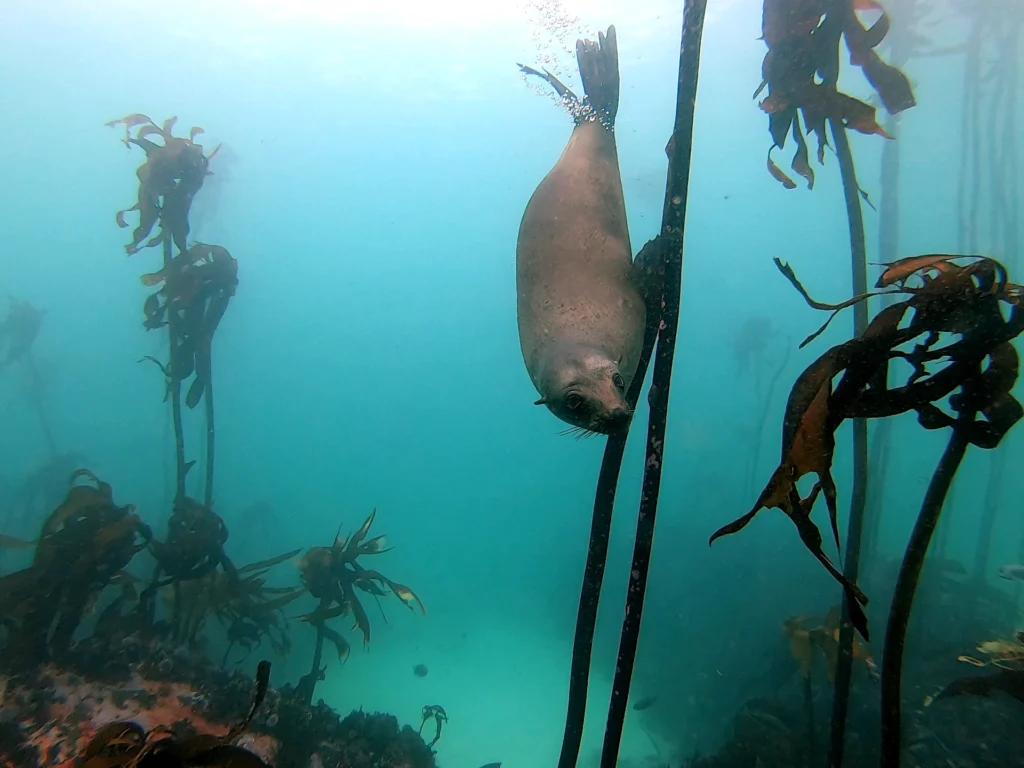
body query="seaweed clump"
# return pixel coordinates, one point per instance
(83, 547)
(808, 636)
(197, 286)
(801, 72)
(171, 176)
(332, 575)
(242, 603)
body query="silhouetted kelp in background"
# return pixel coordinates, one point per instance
(988, 198)
(18, 332)
(980, 370)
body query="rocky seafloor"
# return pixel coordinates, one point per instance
(49, 714)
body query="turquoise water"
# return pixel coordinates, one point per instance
(376, 162)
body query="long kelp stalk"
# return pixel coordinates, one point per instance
(210, 438)
(879, 454)
(37, 399)
(1000, 87)
(858, 502)
(673, 223)
(593, 578)
(906, 586)
(611, 464)
(900, 42)
(175, 386)
(755, 459)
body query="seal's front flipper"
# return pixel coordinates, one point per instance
(599, 72)
(648, 271)
(563, 93)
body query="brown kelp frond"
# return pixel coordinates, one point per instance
(960, 301)
(172, 174)
(807, 636)
(125, 744)
(242, 603)
(194, 548)
(263, 565)
(790, 275)
(195, 542)
(801, 72)
(198, 285)
(333, 575)
(83, 546)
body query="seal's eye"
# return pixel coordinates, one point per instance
(618, 382)
(573, 402)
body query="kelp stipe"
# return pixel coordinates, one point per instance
(666, 249)
(801, 72)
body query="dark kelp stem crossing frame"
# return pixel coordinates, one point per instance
(663, 329)
(858, 501)
(181, 469)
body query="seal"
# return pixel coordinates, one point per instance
(580, 306)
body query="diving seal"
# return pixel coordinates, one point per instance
(581, 313)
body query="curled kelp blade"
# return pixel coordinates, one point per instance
(113, 739)
(790, 275)
(340, 643)
(258, 566)
(359, 535)
(321, 615)
(375, 546)
(777, 173)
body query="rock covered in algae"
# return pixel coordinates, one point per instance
(48, 716)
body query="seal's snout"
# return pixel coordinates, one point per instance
(618, 419)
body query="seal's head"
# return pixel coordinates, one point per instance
(582, 387)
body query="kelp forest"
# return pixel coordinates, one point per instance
(139, 637)
(108, 635)
(933, 336)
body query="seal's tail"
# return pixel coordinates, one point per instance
(599, 71)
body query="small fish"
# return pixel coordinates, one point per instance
(645, 702)
(1012, 572)
(420, 670)
(491, 765)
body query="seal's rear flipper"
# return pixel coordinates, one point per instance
(599, 71)
(563, 93)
